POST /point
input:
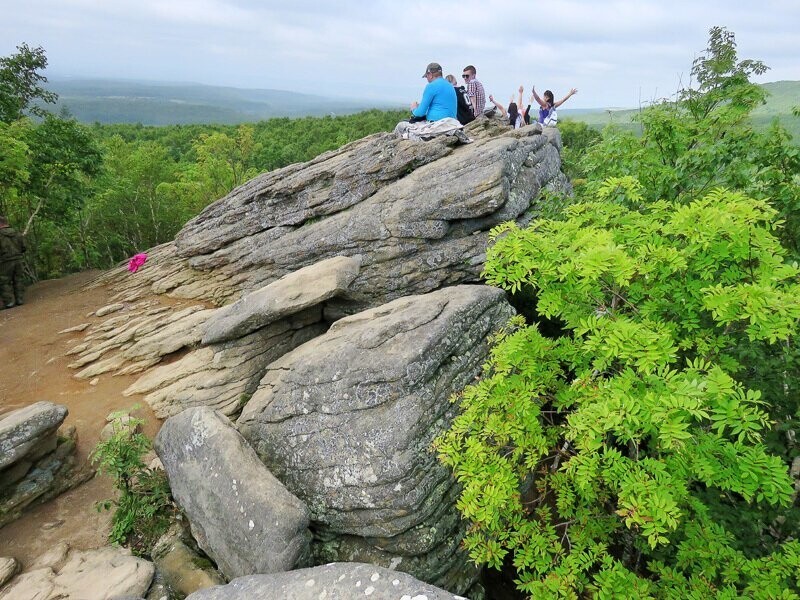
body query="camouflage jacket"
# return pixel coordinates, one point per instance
(12, 244)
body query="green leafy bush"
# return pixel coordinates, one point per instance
(144, 508)
(588, 459)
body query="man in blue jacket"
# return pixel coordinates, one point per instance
(438, 98)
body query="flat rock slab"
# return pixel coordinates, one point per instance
(335, 581)
(288, 295)
(240, 514)
(22, 429)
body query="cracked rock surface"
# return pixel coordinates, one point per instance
(346, 421)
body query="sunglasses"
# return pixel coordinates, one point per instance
(466, 75)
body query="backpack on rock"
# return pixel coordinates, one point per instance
(463, 106)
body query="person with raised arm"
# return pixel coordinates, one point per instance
(548, 116)
(516, 117)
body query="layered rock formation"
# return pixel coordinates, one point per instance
(346, 421)
(37, 460)
(414, 215)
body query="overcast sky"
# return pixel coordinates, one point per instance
(616, 52)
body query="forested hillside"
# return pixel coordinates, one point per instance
(781, 97)
(117, 101)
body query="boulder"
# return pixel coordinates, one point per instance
(117, 422)
(346, 422)
(50, 469)
(335, 581)
(22, 431)
(288, 295)
(240, 515)
(99, 574)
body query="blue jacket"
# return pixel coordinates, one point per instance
(438, 101)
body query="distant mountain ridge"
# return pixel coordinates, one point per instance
(156, 103)
(153, 103)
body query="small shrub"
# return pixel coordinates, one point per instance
(144, 507)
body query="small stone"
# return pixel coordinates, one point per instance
(94, 381)
(77, 328)
(107, 310)
(8, 568)
(52, 524)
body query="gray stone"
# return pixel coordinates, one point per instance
(107, 310)
(75, 328)
(23, 429)
(335, 581)
(240, 515)
(53, 558)
(100, 574)
(47, 477)
(224, 376)
(8, 568)
(346, 421)
(116, 422)
(288, 295)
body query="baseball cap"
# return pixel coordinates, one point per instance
(433, 68)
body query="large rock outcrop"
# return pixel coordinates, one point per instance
(346, 422)
(240, 515)
(325, 303)
(414, 215)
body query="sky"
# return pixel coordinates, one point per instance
(617, 53)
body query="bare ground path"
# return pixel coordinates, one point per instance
(34, 367)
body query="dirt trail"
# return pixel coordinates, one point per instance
(34, 368)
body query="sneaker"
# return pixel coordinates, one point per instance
(20, 303)
(10, 305)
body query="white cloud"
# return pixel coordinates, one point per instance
(615, 52)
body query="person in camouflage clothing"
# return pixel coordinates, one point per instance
(12, 247)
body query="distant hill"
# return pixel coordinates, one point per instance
(783, 95)
(148, 103)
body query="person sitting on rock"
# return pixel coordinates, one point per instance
(477, 96)
(438, 98)
(12, 247)
(463, 107)
(547, 113)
